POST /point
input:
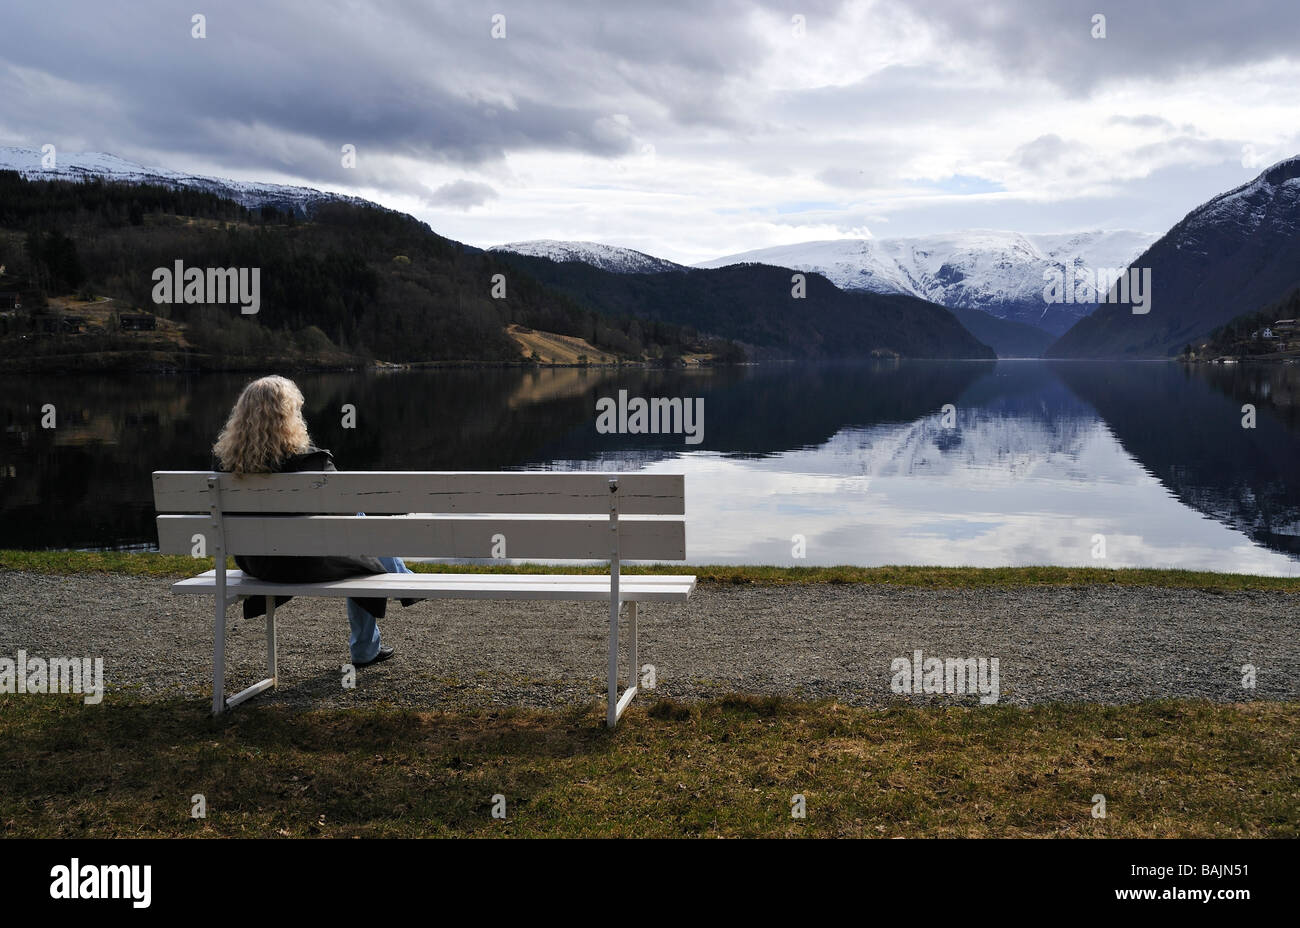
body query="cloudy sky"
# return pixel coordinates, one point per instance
(686, 129)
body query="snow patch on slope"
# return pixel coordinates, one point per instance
(1247, 204)
(606, 257)
(998, 272)
(97, 164)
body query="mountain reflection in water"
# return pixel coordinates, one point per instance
(855, 458)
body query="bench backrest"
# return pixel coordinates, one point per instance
(552, 515)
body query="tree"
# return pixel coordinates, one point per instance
(54, 259)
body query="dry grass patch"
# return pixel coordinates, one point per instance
(725, 767)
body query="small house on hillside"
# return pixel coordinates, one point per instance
(55, 323)
(137, 322)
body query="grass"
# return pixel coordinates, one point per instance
(145, 564)
(720, 767)
(723, 767)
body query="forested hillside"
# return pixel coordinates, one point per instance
(1267, 333)
(755, 305)
(1229, 256)
(368, 282)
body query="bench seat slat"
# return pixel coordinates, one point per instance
(417, 536)
(393, 492)
(562, 587)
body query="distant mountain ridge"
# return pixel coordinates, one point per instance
(302, 201)
(1234, 254)
(1228, 258)
(992, 281)
(611, 258)
(754, 306)
(371, 262)
(1000, 273)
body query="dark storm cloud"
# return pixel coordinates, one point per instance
(418, 79)
(1159, 39)
(280, 87)
(316, 73)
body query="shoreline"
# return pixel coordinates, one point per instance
(90, 364)
(151, 564)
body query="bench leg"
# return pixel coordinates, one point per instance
(219, 657)
(617, 705)
(272, 666)
(633, 673)
(219, 701)
(611, 712)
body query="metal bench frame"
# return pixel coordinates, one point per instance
(573, 587)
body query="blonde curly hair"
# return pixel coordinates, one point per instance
(265, 427)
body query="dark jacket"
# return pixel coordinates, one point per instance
(278, 568)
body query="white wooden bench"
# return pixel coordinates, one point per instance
(542, 515)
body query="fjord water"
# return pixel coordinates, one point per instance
(857, 459)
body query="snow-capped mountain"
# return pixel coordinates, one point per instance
(95, 164)
(1001, 273)
(606, 257)
(1233, 254)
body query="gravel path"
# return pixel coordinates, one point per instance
(1105, 644)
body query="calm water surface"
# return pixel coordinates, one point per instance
(855, 458)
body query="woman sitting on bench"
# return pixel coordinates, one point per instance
(266, 433)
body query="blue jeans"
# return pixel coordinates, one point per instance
(364, 640)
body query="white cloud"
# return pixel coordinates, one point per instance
(693, 129)
(462, 195)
